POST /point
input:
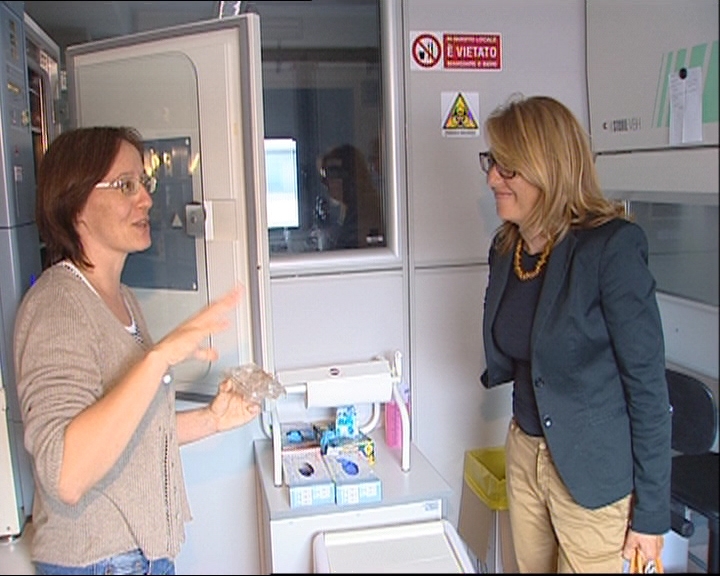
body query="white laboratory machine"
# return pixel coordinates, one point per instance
(405, 531)
(195, 94)
(652, 70)
(27, 74)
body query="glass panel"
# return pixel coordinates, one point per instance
(683, 240)
(170, 262)
(170, 278)
(322, 90)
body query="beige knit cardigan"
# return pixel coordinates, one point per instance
(69, 351)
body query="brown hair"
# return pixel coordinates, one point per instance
(543, 141)
(364, 205)
(73, 164)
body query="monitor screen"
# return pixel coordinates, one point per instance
(282, 182)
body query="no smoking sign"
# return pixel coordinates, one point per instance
(426, 51)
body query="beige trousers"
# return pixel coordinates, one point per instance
(551, 532)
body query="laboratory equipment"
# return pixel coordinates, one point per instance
(194, 92)
(424, 547)
(411, 506)
(285, 533)
(375, 382)
(25, 128)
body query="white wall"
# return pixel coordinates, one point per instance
(222, 537)
(349, 317)
(452, 211)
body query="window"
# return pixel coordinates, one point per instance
(323, 99)
(683, 244)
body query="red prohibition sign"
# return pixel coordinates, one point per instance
(426, 50)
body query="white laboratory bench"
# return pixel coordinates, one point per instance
(286, 534)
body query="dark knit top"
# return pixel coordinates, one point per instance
(512, 329)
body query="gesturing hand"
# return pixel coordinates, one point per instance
(186, 340)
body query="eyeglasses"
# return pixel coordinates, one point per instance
(487, 161)
(332, 172)
(130, 185)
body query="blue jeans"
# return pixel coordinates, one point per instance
(133, 562)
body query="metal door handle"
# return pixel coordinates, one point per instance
(195, 220)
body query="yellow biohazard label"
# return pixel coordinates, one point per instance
(460, 116)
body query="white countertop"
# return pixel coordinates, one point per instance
(419, 483)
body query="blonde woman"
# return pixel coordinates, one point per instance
(571, 319)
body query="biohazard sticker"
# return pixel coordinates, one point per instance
(460, 113)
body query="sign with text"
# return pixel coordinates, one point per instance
(472, 51)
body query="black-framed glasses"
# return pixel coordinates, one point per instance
(130, 185)
(487, 161)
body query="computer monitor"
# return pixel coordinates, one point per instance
(282, 182)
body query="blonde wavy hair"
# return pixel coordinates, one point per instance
(543, 141)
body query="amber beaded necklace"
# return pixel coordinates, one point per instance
(517, 261)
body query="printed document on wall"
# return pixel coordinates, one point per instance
(686, 106)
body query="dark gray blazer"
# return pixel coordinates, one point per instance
(598, 369)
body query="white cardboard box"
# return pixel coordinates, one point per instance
(355, 479)
(308, 479)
